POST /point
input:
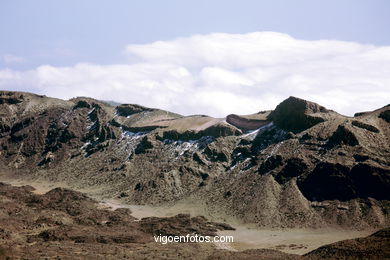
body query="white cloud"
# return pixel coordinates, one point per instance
(220, 73)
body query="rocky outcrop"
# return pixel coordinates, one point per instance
(10, 98)
(144, 145)
(295, 114)
(365, 126)
(270, 164)
(214, 153)
(244, 123)
(343, 136)
(335, 181)
(82, 104)
(219, 130)
(181, 224)
(128, 109)
(294, 167)
(375, 246)
(328, 181)
(371, 181)
(385, 115)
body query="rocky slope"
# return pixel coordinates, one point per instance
(300, 165)
(65, 224)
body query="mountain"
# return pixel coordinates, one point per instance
(300, 165)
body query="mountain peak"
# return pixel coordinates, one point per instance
(295, 114)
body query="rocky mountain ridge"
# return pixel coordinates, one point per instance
(300, 165)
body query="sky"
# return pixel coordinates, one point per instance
(200, 57)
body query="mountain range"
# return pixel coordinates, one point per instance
(299, 165)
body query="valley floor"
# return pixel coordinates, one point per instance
(293, 241)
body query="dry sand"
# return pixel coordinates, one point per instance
(297, 241)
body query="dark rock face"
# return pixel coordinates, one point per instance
(375, 246)
(328, 181)
(56, 136)
(128, 110)
(4, 128)
(143, 146)
(334, 181)
(10, 98)
(82, 104)
(270, 163)
(199, 158)
(212, 131)
(371, 181)
(293, 115)
(360, 157)
(385, 115)
(99, 131)
(266, 137)
(342, 136)
(294, 167)
(214, 154)
(219, 130)
(365, 126)
(244, 123)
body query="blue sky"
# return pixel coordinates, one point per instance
(44, 41)
(71, 31)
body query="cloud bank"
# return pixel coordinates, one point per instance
(220, 73)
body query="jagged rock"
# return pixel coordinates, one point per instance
(21, 125)
(143, 146)
(360, 114)
(94, 147)
(342, 136)
(360, 157)
(365, 126)
(334, 181)
(305, 137)
(328, 181)
(4, 128)
(199, 158)
(270, 164)
(49, 157)
(128, 110)
(293, 168)
(82, 104)
(385, 115)
(10, 98)
(295, 114)
(56, 136)
(214, 154)
(266, 137)
(371, 181)
(215, 131)
(181, 224)
(220, 130)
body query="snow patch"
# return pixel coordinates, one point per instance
(180, 146)
(252, 134)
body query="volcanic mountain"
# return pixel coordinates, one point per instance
(300, 165)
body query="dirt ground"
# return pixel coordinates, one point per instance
(296, 241)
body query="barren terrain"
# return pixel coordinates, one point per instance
(292, 179)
